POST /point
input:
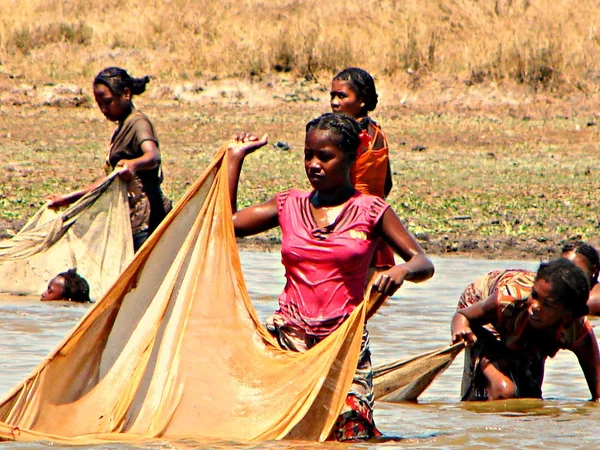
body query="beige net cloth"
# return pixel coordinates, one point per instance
(405, 380)
(93, 235)
(175, 350)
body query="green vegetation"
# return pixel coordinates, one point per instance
(490, 106)
(480, 178)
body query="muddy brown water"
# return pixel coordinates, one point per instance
(416, 320)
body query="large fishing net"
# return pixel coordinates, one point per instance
(175, 350)
(92, 235)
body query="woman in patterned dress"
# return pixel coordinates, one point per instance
(513, 320)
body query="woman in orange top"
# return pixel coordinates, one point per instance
(353, 92)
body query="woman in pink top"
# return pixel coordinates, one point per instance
(329, 236)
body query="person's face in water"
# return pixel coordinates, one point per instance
(544, 309)
(325, 164)
(115, 107)
(344, 99)
(55, 290)
(583, 263)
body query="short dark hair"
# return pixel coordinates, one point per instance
(362, 85)
(117, 79)
(343, 129)
(569, 284)
(76, 287)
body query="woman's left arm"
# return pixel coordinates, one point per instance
(150, 159)
(586, 350)
(417, 266)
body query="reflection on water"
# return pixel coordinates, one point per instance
(415, 321)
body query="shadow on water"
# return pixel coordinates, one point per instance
(414, 321)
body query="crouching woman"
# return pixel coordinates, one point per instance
(513, 320)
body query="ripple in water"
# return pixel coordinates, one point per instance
(414, 321)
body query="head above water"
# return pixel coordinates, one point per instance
(113, 91)
(363, 86)
(67, 285)
(585, 257)
(568, 283)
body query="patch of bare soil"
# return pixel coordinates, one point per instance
(439, 95)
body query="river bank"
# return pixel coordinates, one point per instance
(489, 170)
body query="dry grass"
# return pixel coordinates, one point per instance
(503, 94)
(547, 44)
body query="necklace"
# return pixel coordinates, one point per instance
(326, 215)
(327, 210)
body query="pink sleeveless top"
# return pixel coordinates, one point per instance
(326, 267)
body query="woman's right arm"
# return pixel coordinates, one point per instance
(482, 312)
(56, 201)
(257, 218)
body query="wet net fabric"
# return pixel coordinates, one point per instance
(93, 235)
(405, 380)
(175, 350)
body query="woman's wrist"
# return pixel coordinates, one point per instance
(404, 270)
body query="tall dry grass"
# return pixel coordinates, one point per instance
(548, 44)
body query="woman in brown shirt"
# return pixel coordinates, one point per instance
(133, 148)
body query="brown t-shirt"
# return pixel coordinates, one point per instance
(147, 203)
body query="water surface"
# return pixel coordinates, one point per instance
(414, 321)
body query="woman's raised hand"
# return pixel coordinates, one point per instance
(243, 143)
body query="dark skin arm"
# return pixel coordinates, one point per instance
(387, 187)
(586, 350)
(481, 312)
(150, 159)
(417, 266)
(56, 201)
(257, 218)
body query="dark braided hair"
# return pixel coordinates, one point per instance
(117, 79)
(76, 287)
(344, 130)
(569, 284)
(362, 84)
(588, 252)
